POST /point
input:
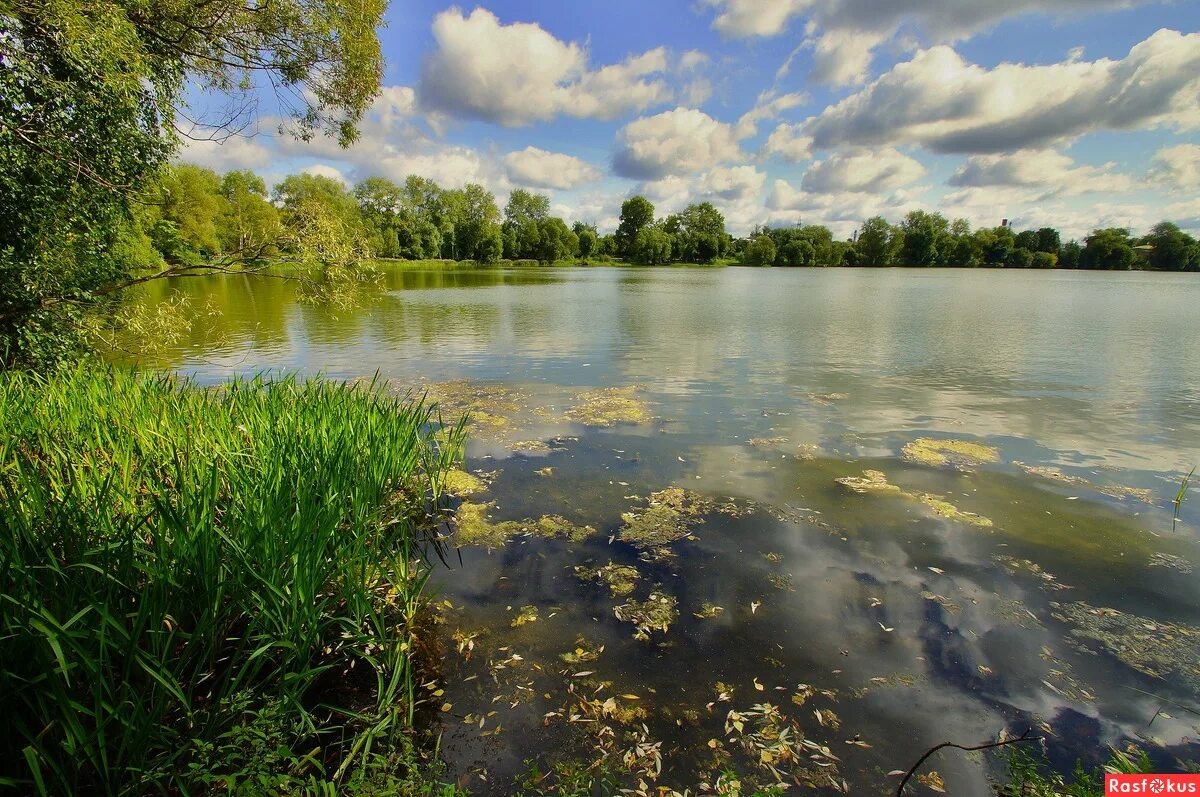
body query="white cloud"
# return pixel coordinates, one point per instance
(519, 74)
(235, 152)
(678, 142)
(841, 212)
(872, 171)
(736, 191)
(768, 106)
(846, 32)
(789, 142)
(538, 168)
(948, 105)
(325, 170)
(1051, 173)
(1176, 168)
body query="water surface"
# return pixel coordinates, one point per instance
(765, 386)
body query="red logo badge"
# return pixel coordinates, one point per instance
(1151, 785)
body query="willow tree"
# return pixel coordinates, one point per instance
(92, 108)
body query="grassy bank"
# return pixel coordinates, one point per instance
(210, 590)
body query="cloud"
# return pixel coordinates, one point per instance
(789, 142)
(768, 106)
(235, 152)
(869, 171)
(518, 74)
(736, 191)
(325, 170)
(942, 102)
(538, 168)
(842, 212)
(845, 33)
(678, 142)
(1051, 173)
(1176, 168)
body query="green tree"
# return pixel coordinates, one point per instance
(251, 223)
(924, 236)
(558, 242)
(88, 98)
(476, 223)
(760, 251)
(1049, 241)
(1044, 260)
(1020, 258)
(588, 239)
(702, 229)
(877, 243)
(523, 217)
(1109, 249)
(636, 213)
(1070, 254)
(1174, 250)
(652, 247)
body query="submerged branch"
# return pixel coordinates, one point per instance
(1025, 737)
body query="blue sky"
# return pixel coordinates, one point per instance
(1072, 113)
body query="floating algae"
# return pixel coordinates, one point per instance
(1154, 648)
(460, 483)
(875, 482)
(490, 406)
(943, 508)
(609, 406)
(1112, 490)
(620, 579)
(526, 614)
(959, 453)
(665, 520)
(708, 610)
(656, 613)
(474, 527)
(584, 652)
(872, 481)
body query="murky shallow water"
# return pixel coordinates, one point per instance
(762, 389)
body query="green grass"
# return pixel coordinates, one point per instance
(180, 563)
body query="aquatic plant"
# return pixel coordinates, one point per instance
(875, 482)
(473, 527)
(667, 518)
(959, 453)
(656, 613)
(167, 550)
(1180, 497)
(609, 406)
(620, 579)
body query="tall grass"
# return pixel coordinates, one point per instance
(172, 557)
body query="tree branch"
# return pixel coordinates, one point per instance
(1025, 737)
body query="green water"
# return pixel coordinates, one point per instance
(922, 625)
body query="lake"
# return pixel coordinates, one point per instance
(762, 457)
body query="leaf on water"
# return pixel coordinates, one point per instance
(754, 606)
(583, 674)
(938, 570)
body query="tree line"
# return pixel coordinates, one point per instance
(930, 239)
(196, 214)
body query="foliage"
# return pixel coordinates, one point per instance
(88, 99)
(1029, 775)
(636, 213)
(177, 559)
(1109, 248)
(760, 251)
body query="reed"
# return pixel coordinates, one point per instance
(174, 558)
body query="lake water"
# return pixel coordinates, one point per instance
(878, 622)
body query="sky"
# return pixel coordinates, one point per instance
(1075, 114)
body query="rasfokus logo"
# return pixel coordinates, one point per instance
(1151, 784)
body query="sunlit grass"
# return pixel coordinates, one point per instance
(175, 558)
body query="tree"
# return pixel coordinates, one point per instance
(1069, 255)
(1027, 239)
(1107, 249)
(636, 213)
(88, 98)
(192, 207)
(924, 235)
(1020, 257)
(523, 216)
(558, 242)
(588, 239)
(1173, 249)
(702, 229)
(1049, 241)
(760, 251)
(251, 222)
(1044, 260)
(652, 247)
(877, 243)
(476, 223)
